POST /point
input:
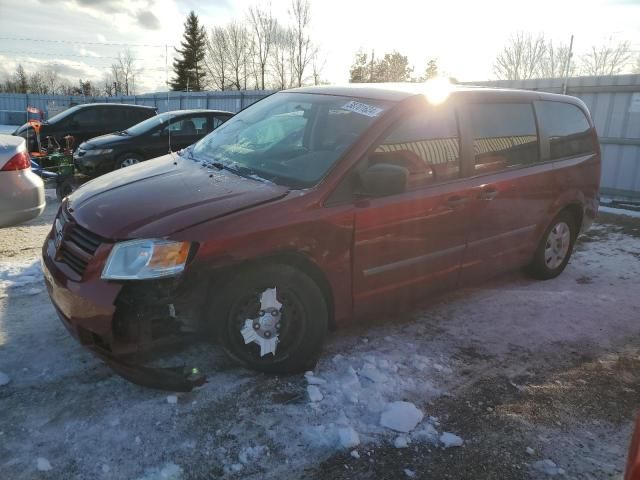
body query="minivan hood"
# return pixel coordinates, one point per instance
(162, 196)
(108, 140)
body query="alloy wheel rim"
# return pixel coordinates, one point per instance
(557, 245)
(128, 162)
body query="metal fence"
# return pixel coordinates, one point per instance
(614, 102)
(13, 106)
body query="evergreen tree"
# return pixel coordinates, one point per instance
(189, 70)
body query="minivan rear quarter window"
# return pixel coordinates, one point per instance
(504, 135)
(567, 128)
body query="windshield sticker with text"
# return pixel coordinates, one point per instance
(363, 109)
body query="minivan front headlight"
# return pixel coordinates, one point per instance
(145, 259)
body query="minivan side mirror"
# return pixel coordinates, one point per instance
(384, 179)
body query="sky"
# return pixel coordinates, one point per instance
(464, 36)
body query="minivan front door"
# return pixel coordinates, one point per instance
(410, 244)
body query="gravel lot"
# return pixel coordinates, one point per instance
(522, 371)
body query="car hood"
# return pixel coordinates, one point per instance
(21, 130)
(109, 140)
(162, 196)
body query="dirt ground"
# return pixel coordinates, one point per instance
(523, 371)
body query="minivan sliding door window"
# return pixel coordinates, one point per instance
(504, 136)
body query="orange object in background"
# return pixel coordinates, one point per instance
(632, 472)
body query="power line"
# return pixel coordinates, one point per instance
(63, 54)
(84, 43)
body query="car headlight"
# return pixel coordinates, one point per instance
(144, 259)
(100, 151)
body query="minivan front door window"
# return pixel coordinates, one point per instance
(290, 138)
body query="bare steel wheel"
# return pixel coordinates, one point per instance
(555, 248)
(272, 318)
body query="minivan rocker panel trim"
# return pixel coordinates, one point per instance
(164, 196)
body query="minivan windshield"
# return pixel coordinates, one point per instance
(149, 124)
(289, 138)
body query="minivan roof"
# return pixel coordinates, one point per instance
(128, 105)
(397, 92)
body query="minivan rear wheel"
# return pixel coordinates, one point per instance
(271, 318)
(555, 248)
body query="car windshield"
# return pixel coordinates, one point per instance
(290, 138)
(64, 114)
(149, 124)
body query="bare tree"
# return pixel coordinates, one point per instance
(51, 79)
(281, 57)
(124, 73)
(555, 61)
(317, 66)
(636, 69)
(608, 59)
(238, 54)
(263, 26)
(217, 57)
(521, 58)
(304, 51)
(37, 83)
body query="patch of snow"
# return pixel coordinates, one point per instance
(409, 473)
(42, 464)
(401, 416)
(348, 437)
(449, 440)
(170, 471)
(315, 395)
(355, 454)
(401, 441)
(530, 451)
(369, 371)
(427, 434)
(172, 399)
(619, 211)
(249, 455)
(548, 467)
(4, 379)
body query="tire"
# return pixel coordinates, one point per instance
(301, 326)
(128, 159)
(65, 188)
(555, 248)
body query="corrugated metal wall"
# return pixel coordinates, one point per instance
(614, 102)
(13, 106)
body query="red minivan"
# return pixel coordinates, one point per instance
(318, 205)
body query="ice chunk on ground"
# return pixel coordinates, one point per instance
(530, 451)
(372, 373)
(172, 399)
(409, 473)
(313, 380)
(348, 437)
(428, 433)
(355, 454)
(548, 467)
(401, 416)
(448, 440)
(401, 441)
(43, 464)
(4, 379)
(315, 395)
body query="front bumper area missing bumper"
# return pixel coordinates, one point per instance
(121, 323)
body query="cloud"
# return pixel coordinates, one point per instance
(148, 20)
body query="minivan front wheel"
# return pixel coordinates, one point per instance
(555, 248)
(271, 318)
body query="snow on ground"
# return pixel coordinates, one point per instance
(374, 386)
(620, 211)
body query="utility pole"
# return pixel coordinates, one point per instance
(567, 67)
(373, 52)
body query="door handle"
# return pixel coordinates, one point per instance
(488, 193)
(456, 201)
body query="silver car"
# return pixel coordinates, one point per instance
(21, 191)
